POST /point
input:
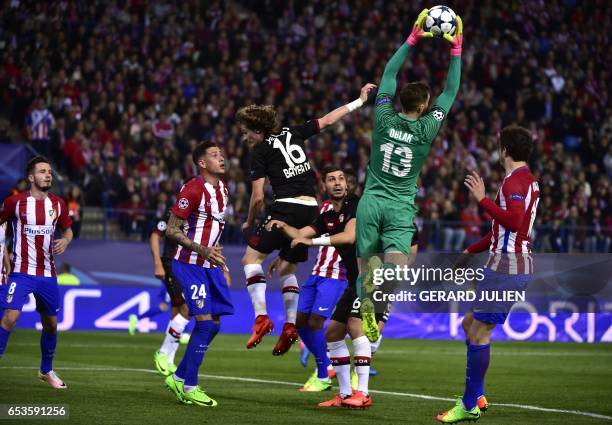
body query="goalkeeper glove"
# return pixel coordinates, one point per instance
(417, 30)
(456, 41)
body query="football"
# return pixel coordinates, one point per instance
(441, 20)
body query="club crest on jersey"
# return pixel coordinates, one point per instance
(183, 203)
(200, 303)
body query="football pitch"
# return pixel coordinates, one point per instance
(111, 380)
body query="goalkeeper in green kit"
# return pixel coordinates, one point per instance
(400, 144)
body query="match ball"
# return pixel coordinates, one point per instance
(441, 20)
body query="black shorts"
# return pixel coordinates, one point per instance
(295, 215)
(175, 291)
(349, 306)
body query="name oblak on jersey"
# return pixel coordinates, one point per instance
(402, 136)
(297, 170)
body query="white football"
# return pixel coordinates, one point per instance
(441, 20)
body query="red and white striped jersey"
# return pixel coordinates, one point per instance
(202, 206)
(513, 213)
(3, 271)
(34, 222)
(329, 263)
(341, 262)
(40, 122)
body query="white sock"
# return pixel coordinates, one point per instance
(173, 336)
(256, 285)
(188, 388)
(291, 293)
(375, 345)
(340, 359)
(363, 356)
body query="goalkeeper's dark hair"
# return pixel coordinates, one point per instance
(329, 169)
(414, 94)
(260, 118)
(200, 150)
(517, 141)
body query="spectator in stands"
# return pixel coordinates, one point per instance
(472, 223)
(111, 185)
(21, 186)
(39, 125)
(132, 217)
(454, 235)
(74, 203)
(127, 84)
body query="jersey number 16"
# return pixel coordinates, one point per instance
(293, 154)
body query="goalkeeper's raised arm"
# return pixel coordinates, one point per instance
(414, 97)
(388, 83)
(446, 99)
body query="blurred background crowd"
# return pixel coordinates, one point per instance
(117, 94)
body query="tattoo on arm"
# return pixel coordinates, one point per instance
(175, 232)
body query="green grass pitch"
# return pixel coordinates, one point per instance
(111, 381)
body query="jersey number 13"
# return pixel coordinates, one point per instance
(405, 155)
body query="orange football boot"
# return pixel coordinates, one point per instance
(263, 325)
(482, 403)
(358, 400)
(288, 336)
(334, 402)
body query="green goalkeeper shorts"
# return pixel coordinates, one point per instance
(383, 226)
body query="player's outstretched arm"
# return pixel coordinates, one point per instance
(290, 231)
(388, 83)
(338, 113)
(512, 217)
(255, 204)
(175, 232)
(159, 271)
(453, 79)
(346, 237)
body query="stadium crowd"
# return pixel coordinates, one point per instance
(118, 93)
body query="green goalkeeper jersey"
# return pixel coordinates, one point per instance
(400, 144)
